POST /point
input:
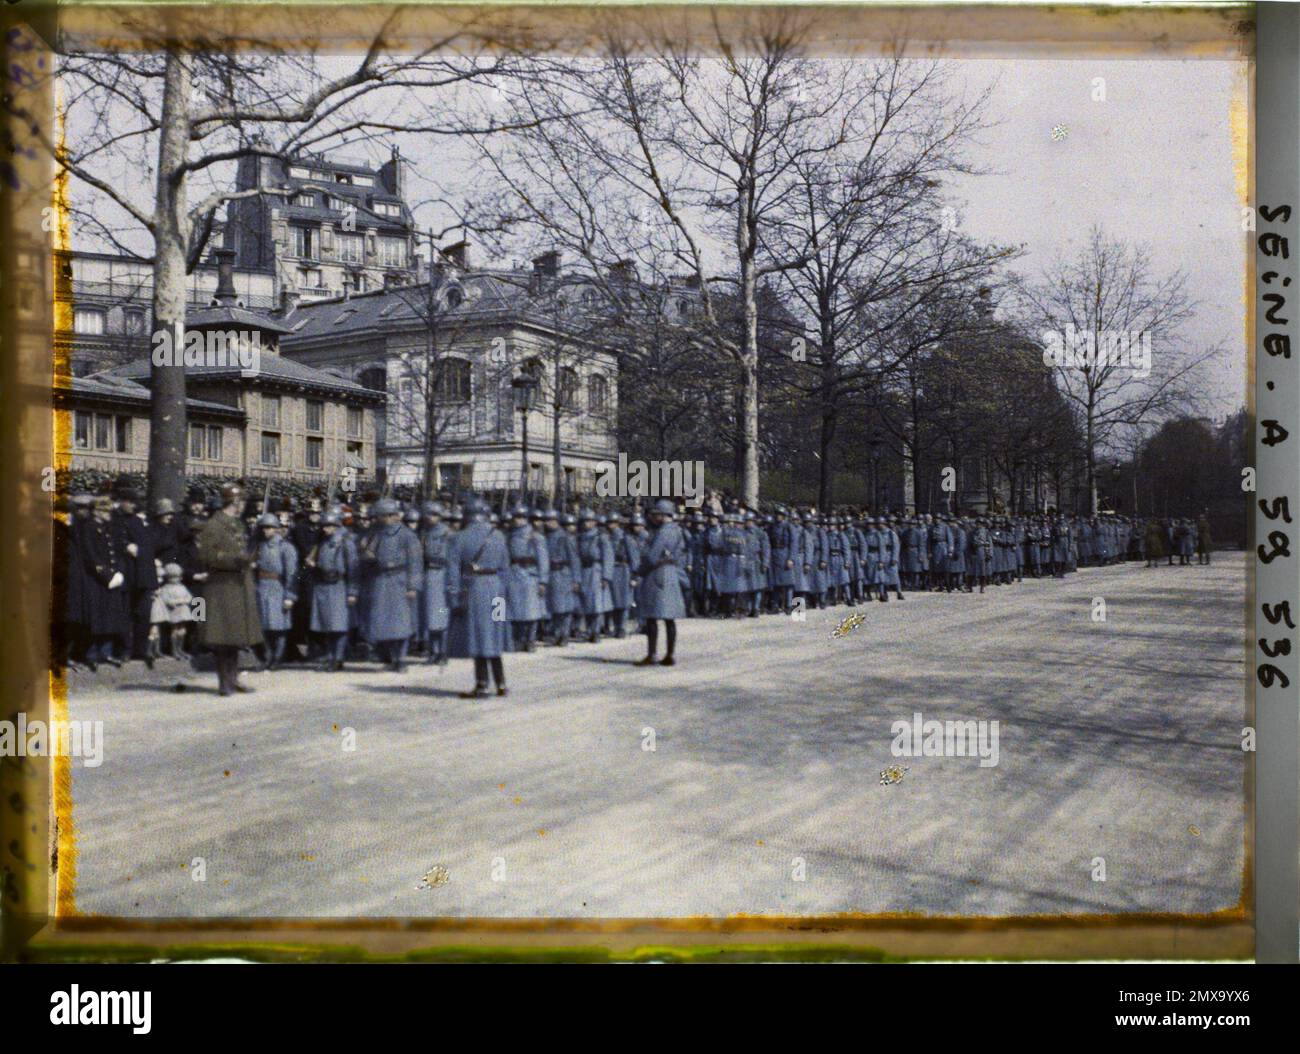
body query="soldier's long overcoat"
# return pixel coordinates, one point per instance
(395, 564)
(335, 577)
(434, 612)
(663, 574)
(277, 581)
(624, 550)
(231, 616)
(785, 547)
(597, 558)
(528, 575)
(565, 571)
(477, 561)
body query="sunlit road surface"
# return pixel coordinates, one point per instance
(1119, 749)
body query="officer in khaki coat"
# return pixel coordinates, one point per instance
(231, 619)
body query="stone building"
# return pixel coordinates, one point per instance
(279, 419)
(327, 226)
(470, 336)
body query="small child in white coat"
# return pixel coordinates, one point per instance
(171, 607)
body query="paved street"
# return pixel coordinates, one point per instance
(1118, 740)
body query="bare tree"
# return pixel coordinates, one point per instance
(1111, 327)
(692, 155)
(193, 101)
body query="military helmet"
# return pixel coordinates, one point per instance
(411, 515)
(613, 518)
(637, 520)
(268, 519)
(519, 512)
(331, 519)
(569, 520)
(163, 507)
(586, 514)
(664, 507)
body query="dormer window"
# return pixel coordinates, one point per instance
(305, 200)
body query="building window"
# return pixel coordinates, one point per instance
(355, 457)
(103, 431)
(454, 382)
(123, 428)
(309, 278)
(270, 411)
(568, 392)
(315, 452)
(306, 200)
(270, 449)
(134, 319)
(354, 420)
(81, 422)
(304, 242)
(297, 172)
(449, 475)
(315, 415)
(352, 248)
(196, 442)
(392, 252)
(88, 320)
(597, 395)
(216, 434)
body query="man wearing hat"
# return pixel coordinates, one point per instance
(565, 569)
(335, 575)
(411, 521)
(104, 597)
(135, 539)
(477, 563)
(526, 580)
(277, 587)
(663, 578)
(304, 535)
(392, 566)
(435, 540)
(231, 619)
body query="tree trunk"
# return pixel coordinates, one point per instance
(167, 424)
(747, 244)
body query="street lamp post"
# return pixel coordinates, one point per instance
(1115, 473)
(524, 387)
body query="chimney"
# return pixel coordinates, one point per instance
(225, 294)
(547, 265)
(458, 255)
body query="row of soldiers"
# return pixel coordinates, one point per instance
(373, 581)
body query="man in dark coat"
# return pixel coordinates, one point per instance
(136, 541)
(1204, 545)
(477, 562)
(231, 620)
(104, 597)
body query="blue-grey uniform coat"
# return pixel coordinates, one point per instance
(940, 538)
(477, 562)
(625, 554)
(434, 613)
(663, 574)
(597, 558)
(915, 551)
(957, 554)
(335, 577)
(892, 549)
(565, 572)
(981, 551)
(529, 573)
(395, 566)
(277, 581)
(786, 547)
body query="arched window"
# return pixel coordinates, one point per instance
(568, 388)
(454, 298)
(454, 381)
(374, 378)
(597, 394)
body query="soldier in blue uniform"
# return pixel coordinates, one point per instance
(915, 559)
(785, 544)
(626, 558)
(565, 574)
(940, 541)
(980, 546)
(755, 571)
(597, 559)
(435, 540)
(526, 580)
(663, 578)
(411, 521)
(336, 583)
(477, 563)
(277, 588)
(957, 556)
(730, 546)
(392, 565)
(891, 547)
